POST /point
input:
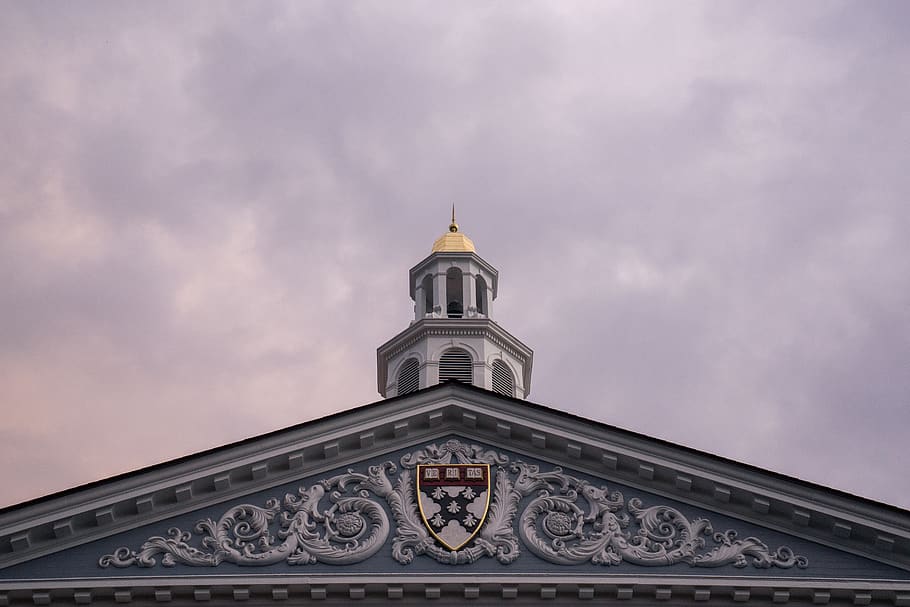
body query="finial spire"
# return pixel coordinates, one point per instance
(453, 227)
(453, 241)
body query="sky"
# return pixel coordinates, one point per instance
(700, 213)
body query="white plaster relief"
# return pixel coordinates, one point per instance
(568, 521)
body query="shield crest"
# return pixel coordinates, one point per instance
(453, 500)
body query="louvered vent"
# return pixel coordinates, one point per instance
(503, 382)
(409, 376)
(456, 364)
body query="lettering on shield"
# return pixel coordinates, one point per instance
(453, 500)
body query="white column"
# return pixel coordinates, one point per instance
(483, 375)
(424, 378)
(429, 374)
(489, 297)
(439, 284)
(420, 306)
(468, 292)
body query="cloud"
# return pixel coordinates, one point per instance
(207, 216)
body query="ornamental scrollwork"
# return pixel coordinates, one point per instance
(453, 451)
(564, 520)
(299, 530)
(571, 521)
(496, 538)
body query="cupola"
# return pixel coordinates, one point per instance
(453, 336)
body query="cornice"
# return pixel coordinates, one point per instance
(788, 505)
(456, 327)
(815, 513)
(454, 588)
(165, 491)
(450, 327)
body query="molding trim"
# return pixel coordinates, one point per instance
(828, 517)
(461, 327)
(339, 520)
(413, 589)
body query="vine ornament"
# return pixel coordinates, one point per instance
(457, 520)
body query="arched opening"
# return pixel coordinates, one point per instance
(454, 293)
(408, 376)
(456, 364)
(503, 381)
(427, 287)
(480, 288)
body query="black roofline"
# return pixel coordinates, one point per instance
(469, 388)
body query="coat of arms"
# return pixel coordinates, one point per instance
(453, 500)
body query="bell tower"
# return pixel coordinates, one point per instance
(453, 335)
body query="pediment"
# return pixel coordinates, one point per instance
(335, 500)
(368, 516)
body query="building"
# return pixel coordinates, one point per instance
(454, 489)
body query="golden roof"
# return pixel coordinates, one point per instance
(453, 241)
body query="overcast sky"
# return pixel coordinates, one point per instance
(700, 213)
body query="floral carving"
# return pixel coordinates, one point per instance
(571, 521)
(565, 520)
(296, 530)
(453, 452)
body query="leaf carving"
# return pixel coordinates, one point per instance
(343, 520)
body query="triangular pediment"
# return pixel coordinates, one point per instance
(334, 501)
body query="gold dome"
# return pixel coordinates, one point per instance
(453, 241)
